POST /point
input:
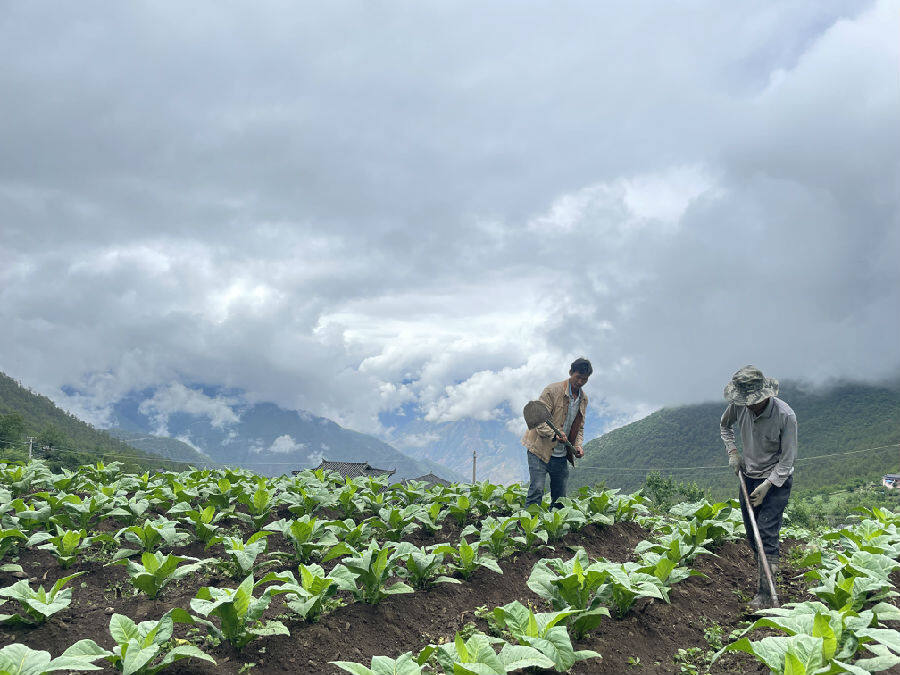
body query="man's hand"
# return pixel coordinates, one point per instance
(561, 437)
(579, 451)
(757, 496)
(734, 461)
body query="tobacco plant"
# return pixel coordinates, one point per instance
(309, 536)
(65, 545)
(141, 648)
(239, 612)
(572, 584)
(424, 569)
(259, 504)
(37, 605)
(460, 510)
(533, 534)
(477, 656)
(204, 522)
(156, 571)
(545, 631)
(17, 659)
(8, 539)
(495, 535)
(394, 523)
(243, 554)
(431, 517)
(559, 522)
(466, 558)
(350, 532)
(314, 593)
(383, 665)
(150, 536)
(372, 568)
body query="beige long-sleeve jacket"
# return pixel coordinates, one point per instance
(540, 439)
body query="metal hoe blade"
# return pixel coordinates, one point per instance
(537, 413)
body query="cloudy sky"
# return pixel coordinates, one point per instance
(353, 207)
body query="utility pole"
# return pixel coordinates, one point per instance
(30, 444)
(474, 461)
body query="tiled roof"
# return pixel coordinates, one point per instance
(354, 469)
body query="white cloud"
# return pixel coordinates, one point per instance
(416, 440)
(557, 189)
(177, 398)
(285, 444)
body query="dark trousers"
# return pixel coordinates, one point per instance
(557, 467)
(768, 514)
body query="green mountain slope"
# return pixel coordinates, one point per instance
(163, 446)
(71, 442)
(843, 422)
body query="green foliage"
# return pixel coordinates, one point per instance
(557, 523)
(238, 611)
(243, 555)
(466, 558)
(65, 545)
(205, 522)
(430, 518)
(533, 534)
(476, 656)
(460, 509)
(8, 539)
(494, 534)
(383, 665)
(665, 492)
(313, 595)
(394, 523)
(371, 569)
(141, 648)
(156, 571)
(151, 535)
(544, 631)
(423, 569)
(17, 659)
(37, 605)
(259, 503)
(309, 536)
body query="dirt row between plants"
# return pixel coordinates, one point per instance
(644, 641)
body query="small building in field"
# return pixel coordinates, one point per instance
(891, 480)
(431, 479)
(352, 469)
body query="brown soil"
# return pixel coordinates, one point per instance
(645, 641)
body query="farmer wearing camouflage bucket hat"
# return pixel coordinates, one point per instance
(768, 429)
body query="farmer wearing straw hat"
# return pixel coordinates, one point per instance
(768, 429)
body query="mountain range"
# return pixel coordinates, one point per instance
(849, 434)
(262, 436)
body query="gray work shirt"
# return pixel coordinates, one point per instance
(769, 440)
(559, 450)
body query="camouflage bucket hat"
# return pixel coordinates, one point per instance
(749, 386)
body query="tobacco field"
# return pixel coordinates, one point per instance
(225, 571)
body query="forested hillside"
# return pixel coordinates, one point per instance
(847, 418)
(72, 442)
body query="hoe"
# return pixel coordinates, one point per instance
(758, 540)
(536, 413)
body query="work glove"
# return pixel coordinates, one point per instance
(757, 496)
(734, 461)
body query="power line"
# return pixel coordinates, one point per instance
(725, 466)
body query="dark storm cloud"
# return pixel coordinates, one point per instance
(354, 206)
